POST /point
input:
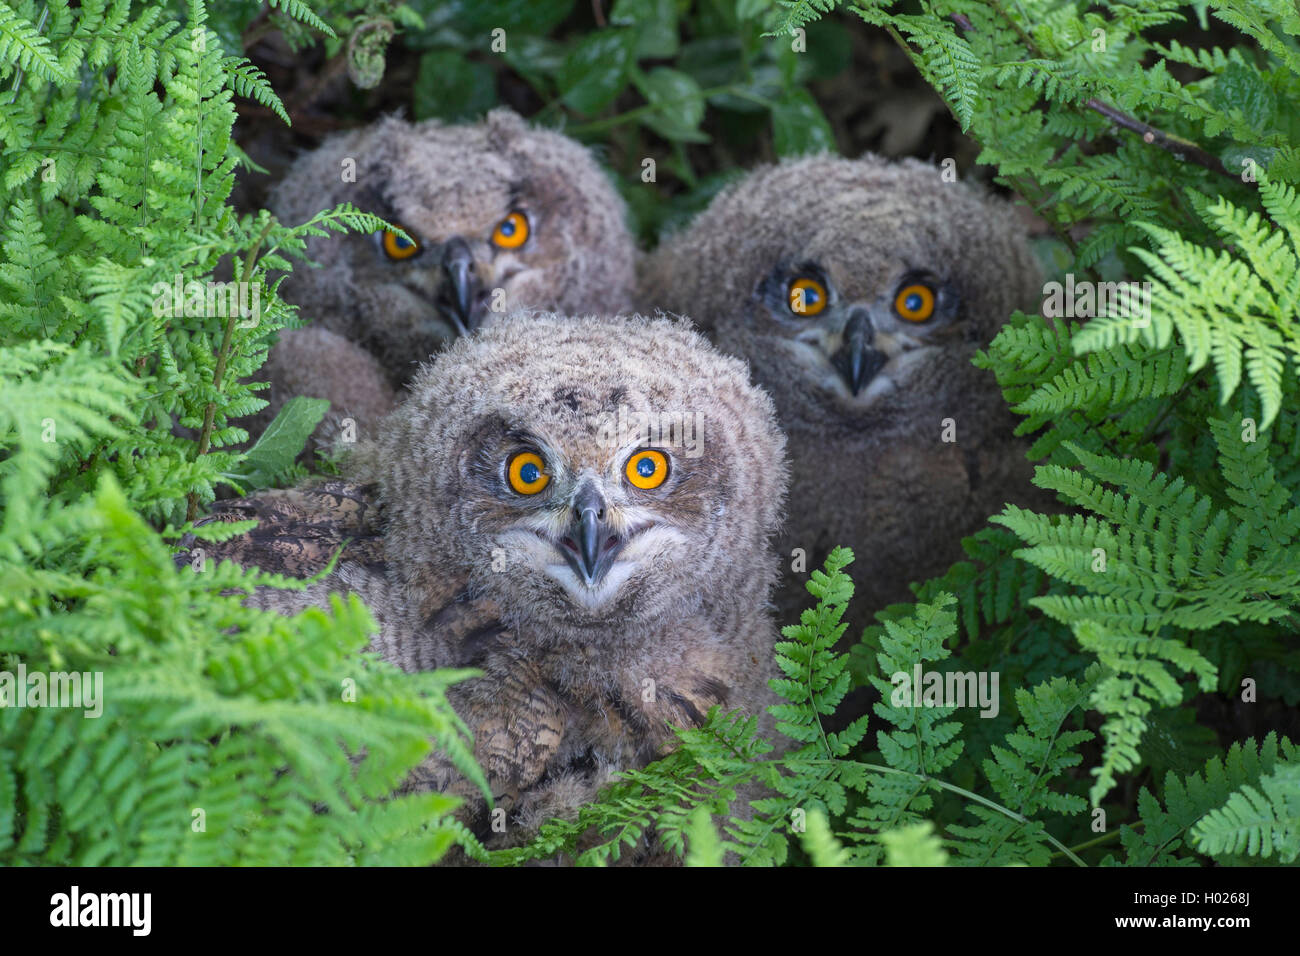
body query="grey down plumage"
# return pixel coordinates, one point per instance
(602, 607)
(379, 307)
(809, 270)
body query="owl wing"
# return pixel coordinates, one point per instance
(518, 722)
(516, 714)
(298, 529)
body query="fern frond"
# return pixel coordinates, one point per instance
(1173, 822)
(1260, 820)
(23, 46)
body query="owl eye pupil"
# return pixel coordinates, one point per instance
(402, 243)
(529, 473)
(645, 467)
(913, 303)
(508, 228)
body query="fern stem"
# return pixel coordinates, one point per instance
(18, 73)
(1098, 840)
(1020, 31)
(223, 356)
(1019, 818)
(1038, 776)
(812, 696)
(969, 795)
(1043, 766)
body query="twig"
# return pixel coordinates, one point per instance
(1182, 148)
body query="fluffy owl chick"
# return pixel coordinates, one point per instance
(500, 216)
(317, 362)
(858, 291)
(580, 507)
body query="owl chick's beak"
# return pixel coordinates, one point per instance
(857, 360)
(458, 269)
(590, 546)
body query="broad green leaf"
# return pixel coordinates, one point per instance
(513, 16)
(713, 61)
(1243, 88)
(678, 102)
(538, 60)
(595, 71)
(450, 87)
(283, 440)
(655, 23)
(798, 126)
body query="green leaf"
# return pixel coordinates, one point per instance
(830, 50)
(596, 70)
(820, 843)
(914, 845)
(713, 61)
(452, 88)
(537, 17)
(655, 23)
(798, 126)
(678, 102)
(538, 60)
(283, 440)
(703, 846)
(1241, 87)
(22, 45)
(1259, 821)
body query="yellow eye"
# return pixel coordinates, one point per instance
(807, 297)
(511, 232)
(526, 472)
(915, 302)
(395, 247)
(647, 469)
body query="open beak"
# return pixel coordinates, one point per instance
(462, 287)
(857, 359)
(590, 545)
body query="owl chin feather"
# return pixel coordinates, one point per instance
(598, 595)
(608, 592)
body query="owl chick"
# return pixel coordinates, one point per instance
(500, 216)
(582, 508)
(858, 291)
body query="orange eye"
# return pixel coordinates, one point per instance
(511, 232)
(915, 302)
(807, 297)
(527, 474)
(395, 247)
(647, 469)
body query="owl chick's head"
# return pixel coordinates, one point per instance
(584, 472)
(857, 289)
(500, 215)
